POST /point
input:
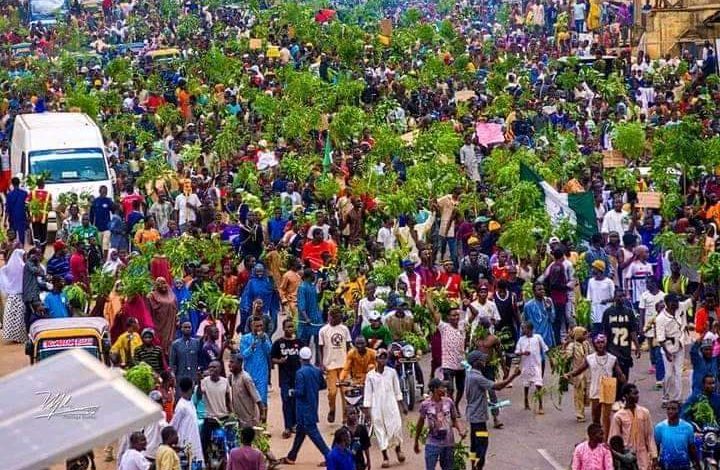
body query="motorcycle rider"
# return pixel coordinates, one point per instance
(215, 391)
(400, 321)
(359, 361)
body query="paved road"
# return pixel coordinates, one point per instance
(528, 441)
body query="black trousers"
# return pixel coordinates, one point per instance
(40, 232)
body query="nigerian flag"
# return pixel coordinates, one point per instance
(327, 154)
(579, 208)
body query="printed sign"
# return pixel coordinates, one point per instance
(613, 159)
(64, 343)
(489, 133)
(255, 43)
(649, 200)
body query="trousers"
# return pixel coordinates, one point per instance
(672, 384)
(311, 431)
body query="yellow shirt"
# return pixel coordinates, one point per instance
(126, 344)
(143, 236)
(166, 459)
(357, 366)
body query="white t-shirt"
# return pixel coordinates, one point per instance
(615, 221)
(648, 302)
(387, 238)
(133, 460)
(487, 310)
(185, 214)
(637, 274)
(598, 291)
(365, 306)
(334, 340)
(531, 365)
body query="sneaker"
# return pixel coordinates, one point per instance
(658, 385)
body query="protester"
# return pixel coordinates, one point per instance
(593, 453)
(634, 424)
(675, 440)
(381, 384)
(308, 383)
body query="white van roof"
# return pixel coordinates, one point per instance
(52, 131)
(50, 120)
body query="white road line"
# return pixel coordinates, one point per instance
(551, 460)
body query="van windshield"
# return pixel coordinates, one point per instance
(69, 165)
(46, 8)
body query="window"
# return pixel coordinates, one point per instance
(69, 165)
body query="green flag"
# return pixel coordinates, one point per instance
(327, 154)
(579, 208)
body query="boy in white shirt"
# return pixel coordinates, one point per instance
(531, 348)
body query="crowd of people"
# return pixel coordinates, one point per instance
(293, 191)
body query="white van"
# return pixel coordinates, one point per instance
(68, 147)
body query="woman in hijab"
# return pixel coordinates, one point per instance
(182, 296)
(113, 262)
(260, 286)
(160, 267)
(11, 284)
(113, 312)
(164, 309)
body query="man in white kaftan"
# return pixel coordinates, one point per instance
(383, 398)
(185, 420)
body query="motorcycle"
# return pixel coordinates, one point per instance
(404, 360)
(707, 442)
(353, 395)
(223, 439)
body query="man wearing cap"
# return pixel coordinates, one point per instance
(376, 334)
(477, 387)
(384, 413)
(703, 362)
(600, 292)
(309, 381)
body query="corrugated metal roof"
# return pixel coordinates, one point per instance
(64, 406)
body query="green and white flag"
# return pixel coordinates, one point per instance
(578, 208)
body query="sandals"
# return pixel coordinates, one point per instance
(286, 461)
(286, 434)
(400, 457)
(385, 464)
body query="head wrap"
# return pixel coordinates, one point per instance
(578, 332)
(599, 265)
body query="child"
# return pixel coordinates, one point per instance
(56, 303)
(123, 351)
(623, 459)
(577, 349)
(655, 350)
(531, 348)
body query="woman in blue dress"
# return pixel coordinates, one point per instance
(260, 286)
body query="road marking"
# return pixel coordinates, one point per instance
(550, 459)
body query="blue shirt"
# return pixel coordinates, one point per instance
(340, 459)
(276, 228)
(673, 443)
(701, 367)
(56, 305)
(58, 266)
(100, 213)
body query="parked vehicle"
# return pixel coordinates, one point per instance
(67, 148)
(53, 335)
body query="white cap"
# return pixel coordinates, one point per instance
(554, 240)
(305, 353)
(374, 315)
